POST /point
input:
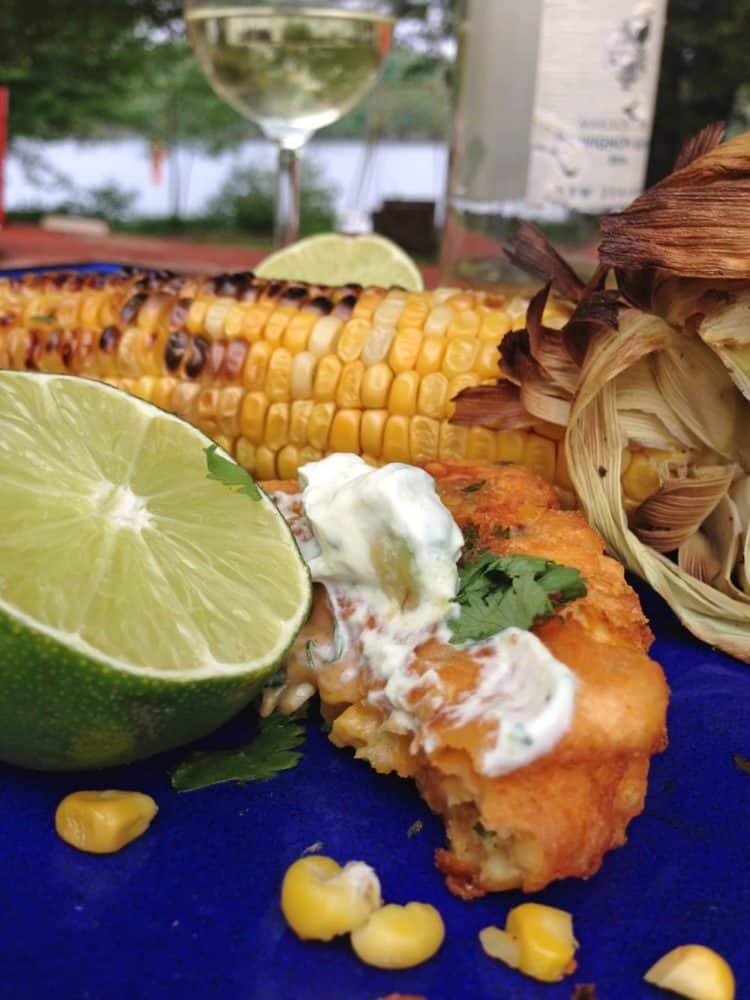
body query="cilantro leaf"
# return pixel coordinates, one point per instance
(271, 751)
(230, 473)
(497, 592)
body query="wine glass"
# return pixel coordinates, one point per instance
(290, 67)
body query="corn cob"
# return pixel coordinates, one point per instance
(280, 374)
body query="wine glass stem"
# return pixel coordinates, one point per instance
(287, 197)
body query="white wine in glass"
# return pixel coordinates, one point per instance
(291, 68)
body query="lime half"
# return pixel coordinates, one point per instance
(336, 259)
(141, 603)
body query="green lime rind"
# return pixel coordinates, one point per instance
(61, 711)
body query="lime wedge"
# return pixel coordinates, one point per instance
(336, 259)
(141, 602)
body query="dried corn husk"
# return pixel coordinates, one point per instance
(656, 375)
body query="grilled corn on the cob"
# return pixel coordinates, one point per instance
(278, 373)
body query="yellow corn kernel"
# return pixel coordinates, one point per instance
(184, 399)
(253, 416)
(345, 431)
(414, 313)
(459, 357)
(404, 350)
(349, 392)
(378, 344)
(195, 321)
(298, 330)
(433, 397)
(376, 384)
(494, 326)
(215, 318)
(399, 937)
(368, 302)
(546, 942)
(326, 378)
(487, 364)
(510, 445)
(226, 442)
(128, 353)
(309, 454)
(402, 399)
(453, 440)
(424, 437)
(694, 971)
(276, 324)
(321, 900)
(438, 319)
(352, 339)
(319, 425)
(90, 311)
(391, 308)
(256, 365)
(229, 409)
(430, 356)
(287, 462)
(103, 822)
(145, 386)
(299, 417)
(562, 473)
(464, 323)
(163, 391)
(265, 463)
(396, 439)
(540, 454)
(278, 378)
(206, 406)
(245, 453)
(323, 336)
(255, 321)
(234, 320)
(372, 430)
(480, 444)
(277, 426)
(303, 374)
(641, 478)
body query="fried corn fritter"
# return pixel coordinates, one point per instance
(556, 816)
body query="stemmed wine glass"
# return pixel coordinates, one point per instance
(290, 67)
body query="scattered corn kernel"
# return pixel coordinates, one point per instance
(320, 899)
(103, 822)
(399, 937)
(538, 941)
(693, 971)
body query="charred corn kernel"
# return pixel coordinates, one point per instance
(433, 397)
(299, 418)
(399, 937)
(402, 356)
(402, 399)
(287, 462)
(694, 971)
(303, 374)
(253, 416)
(327, 374)
(345, 431)
(376, 385)
(538, 941)
(320, 899)
(353, 338)
(103, 822)
(372, 430)
(641, 478)
(430, 355)
(276, 433)
(396, 440)
(349, 391)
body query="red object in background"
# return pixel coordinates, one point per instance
(3, 148)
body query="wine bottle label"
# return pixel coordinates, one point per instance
(596, 77)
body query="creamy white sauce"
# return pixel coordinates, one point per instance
(386, 549)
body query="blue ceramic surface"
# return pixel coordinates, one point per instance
(191, 909)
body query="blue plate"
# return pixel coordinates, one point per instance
(192, 907)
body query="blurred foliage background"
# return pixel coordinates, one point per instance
(87, 69)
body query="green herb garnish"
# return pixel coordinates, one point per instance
(223, 470)
(42, 319)
(471, 537)
(272, 751)
(497, 592)
(473, 487)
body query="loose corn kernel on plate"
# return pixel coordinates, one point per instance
(192, 905)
